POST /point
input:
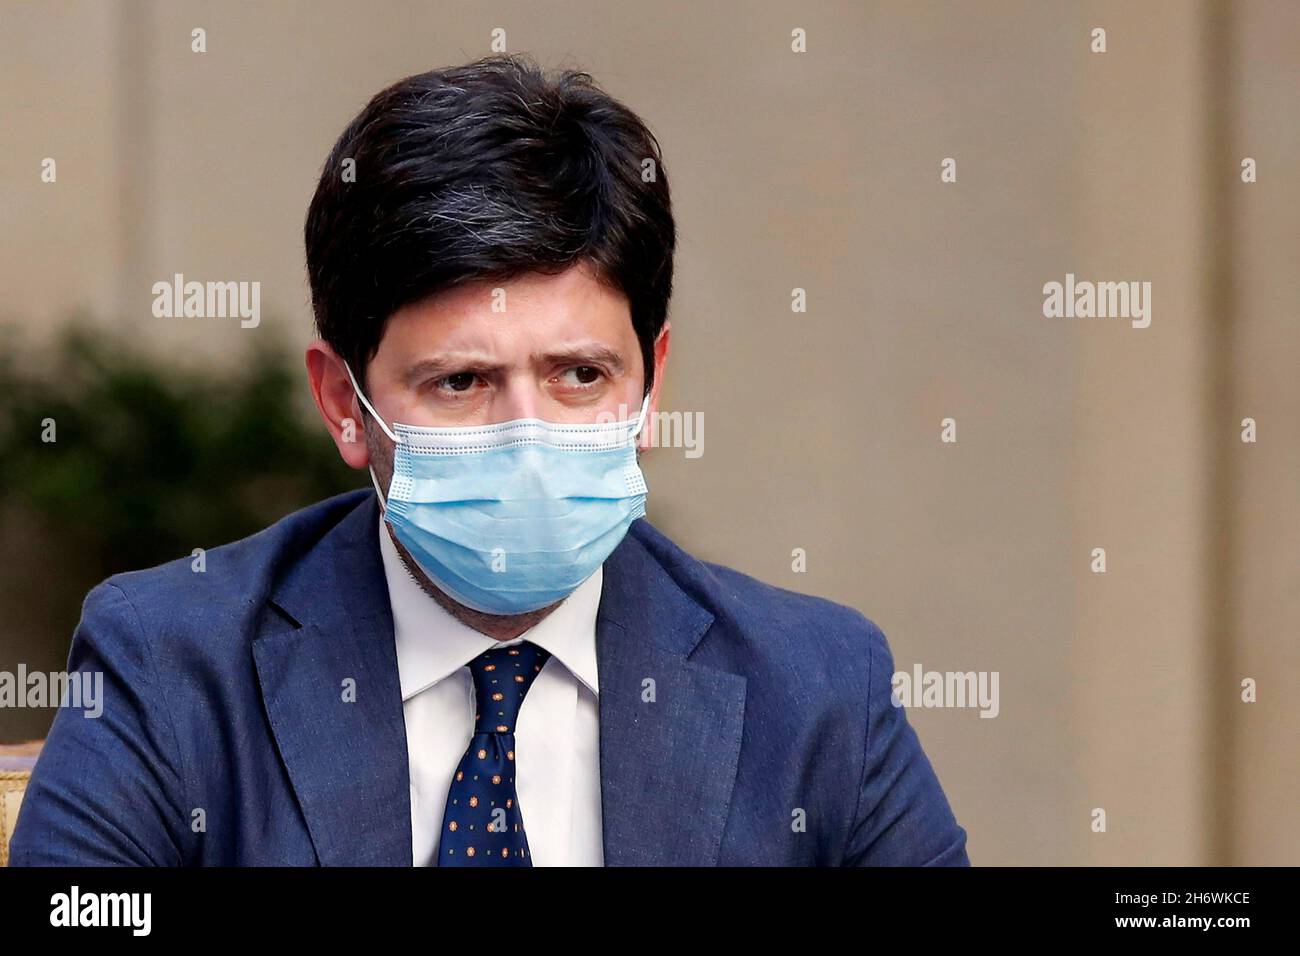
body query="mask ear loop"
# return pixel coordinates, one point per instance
(383, 502)
(640, 420)
(370, 408)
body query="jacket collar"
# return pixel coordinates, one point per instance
(670, 728)
(328, 672)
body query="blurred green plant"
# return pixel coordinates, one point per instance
(152, 460)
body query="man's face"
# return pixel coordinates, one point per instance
(559, 348)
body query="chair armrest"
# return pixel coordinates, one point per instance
(16, 763)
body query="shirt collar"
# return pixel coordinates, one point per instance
(432, 644)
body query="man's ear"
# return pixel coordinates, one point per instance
(647, 437)
(337, 403)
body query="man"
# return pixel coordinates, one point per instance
(492, 659)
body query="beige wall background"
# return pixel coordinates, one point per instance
(821, 171)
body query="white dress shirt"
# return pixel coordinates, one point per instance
(557, 740)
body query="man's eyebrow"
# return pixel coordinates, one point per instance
(449, 363)
(579, 354)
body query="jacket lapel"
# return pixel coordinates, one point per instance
(670, 728)
(327, 666)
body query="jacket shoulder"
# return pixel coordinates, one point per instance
(223, 584)
(798, 630)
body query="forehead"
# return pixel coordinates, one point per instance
(531, 311)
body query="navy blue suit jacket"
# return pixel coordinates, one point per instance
(226, 739)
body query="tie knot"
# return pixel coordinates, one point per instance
(502, 677)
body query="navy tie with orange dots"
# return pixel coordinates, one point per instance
(482, 825)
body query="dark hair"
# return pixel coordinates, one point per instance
(486, 171)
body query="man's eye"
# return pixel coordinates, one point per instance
(583, 375)
(460, 382)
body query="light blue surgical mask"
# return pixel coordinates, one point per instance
(512, 517)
